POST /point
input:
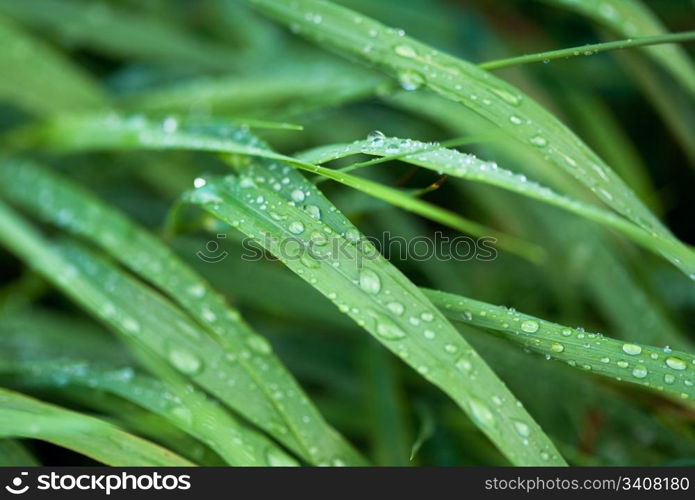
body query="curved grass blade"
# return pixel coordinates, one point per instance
(416, 65)
(667, 371)
(186, 409)
(22, 416)
(380, 299)
(39, 79)
(603, 270)
(319, 82)
(588, 49)
(466, 166)
(632, 19)
(242, 372)
(116, 31)
(112, 131)
(599, 125)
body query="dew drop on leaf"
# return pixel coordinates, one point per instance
(557, 347)
(640, 371)
(675, 363)
(481, 413)
(530, 326)
(184, 360)
(522, 428)
(632, 349)
(387, 329)
(410, 80)
(296, 227)
(370, 281)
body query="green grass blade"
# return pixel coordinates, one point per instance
(68, 133)
(417, 65)
(632, 19)
(21, 416)
(466, 166)
(293, 420)
(599, 125)
(119, 32)
(671, 372)
(186, 409)
(312, 83)
(380, 299)
(384, 396)
(588, 49)
(39, 79)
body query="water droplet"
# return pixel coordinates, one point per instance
(427, 316)
(208, 315)
(376, 138)
(530, 326)
(296, 227)
(184, 360)
(557, 347)
(196, 290)
(352, 235)
(170, 124)
(640, 371)
(566, 332)
(410, 80)
(297, 195)
(405, 50)
(370, 281)
(623, 364)
(395, 308)
(669, 379)
(539, 140)
(522, 428)
(387, 329)
(507, 96)
(481, 413)
(429, 334)
(675, 363)
(259, 344)
(515, 120)
(450, 348)
(313, 211)
(632, 349)
(199, 182)
(309, 262)
(182, 414)
(131, 325)
(464, 365)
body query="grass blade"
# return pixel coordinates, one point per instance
(186, 409)
(632, 19)
(67, 133)
(288, 420)
(21, 416)
(49, 83)
(380, 299)
(671, 372)
(417, 65)
(588, 49)
(466, 166)
(116, 31)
